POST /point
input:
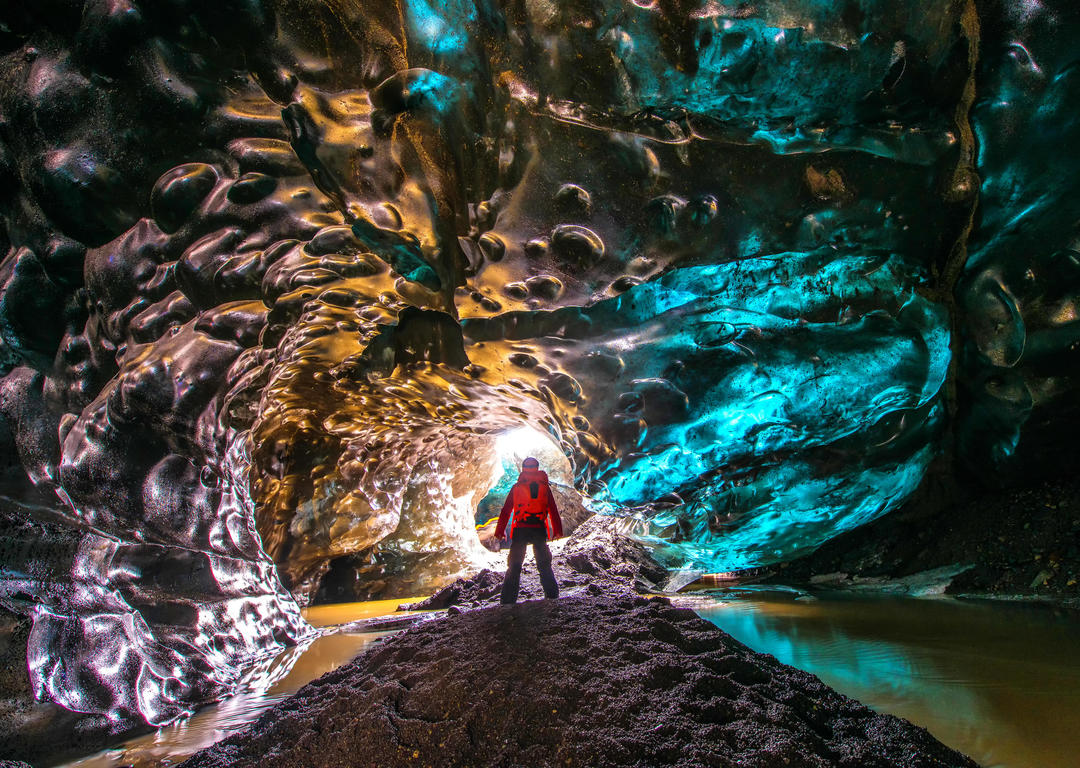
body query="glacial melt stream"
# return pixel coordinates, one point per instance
(998, 681)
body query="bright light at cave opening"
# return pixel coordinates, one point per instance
(515, 445)
(510, 449)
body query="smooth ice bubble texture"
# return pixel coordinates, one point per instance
(281, 279)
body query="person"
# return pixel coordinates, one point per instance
(533, 518)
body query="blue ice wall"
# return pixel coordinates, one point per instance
(736, 223)
(772, 432)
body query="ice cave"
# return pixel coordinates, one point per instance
(784, 295)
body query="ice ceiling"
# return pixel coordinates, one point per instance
(279, 275)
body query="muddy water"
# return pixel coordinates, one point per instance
(998, 681)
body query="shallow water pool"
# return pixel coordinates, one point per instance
(263, 687)
(998, 681)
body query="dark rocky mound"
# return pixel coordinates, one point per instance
(1024, 541)
(596, 559)
(610, 681)
(600, 550)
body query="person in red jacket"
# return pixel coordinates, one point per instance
(533, 518)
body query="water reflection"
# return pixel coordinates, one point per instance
(342, 613)
(1000, 682)
(263, 686)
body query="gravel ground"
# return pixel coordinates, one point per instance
(614, 680)
(1023, 542)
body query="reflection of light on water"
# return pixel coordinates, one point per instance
(263, 686)
(341, 613)
(998, 682)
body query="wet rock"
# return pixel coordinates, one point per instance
(600, 548)
(481, 589)
(981, 542)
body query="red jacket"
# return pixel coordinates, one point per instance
(523, 509)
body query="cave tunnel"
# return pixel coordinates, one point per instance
(290, 288)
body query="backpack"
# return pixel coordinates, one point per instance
(530, 504)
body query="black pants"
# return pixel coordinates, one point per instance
(522, 538)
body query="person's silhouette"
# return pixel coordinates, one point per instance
(533, 518)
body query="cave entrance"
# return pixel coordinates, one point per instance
(511, 448)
